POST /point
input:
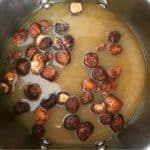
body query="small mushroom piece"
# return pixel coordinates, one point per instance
(67, 42)
(115, 49)
(33, 91)
(62, 98)
(15, 55)
(90, 60)
(98, 73)
(72, 104)
(21, 107)
(89, 85)
(61, 27)
(10, 76)
(107, 87)
(31, 51)
(35, 29)
(45, 25)
(71, 122)
(84, 130)
(20, 36)
(50, 102)
(63, 57)
(114, 36)
(117, 124)
(45, 43)
(101, 47)
(38, 131)
(4, 88)
(48, 56)
(114, 72)
(37, 63)
(98, 107)
(23, 66)
(75, 7)
(106, 118)
(41, 115)
(86, 97)
(57, 44)
(113, 104)
(49, 73)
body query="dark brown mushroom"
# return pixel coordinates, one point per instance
(63, 57)
(90, 60)
(72, 104)
(35, 29)
(50, 102)
(98, 73)
(33, 91)
(85, 130)
(114, 36)
(89, 85)
(86, 97)
(114, 72)
(49, 73)
(107, 87)
(48, 56)
(106, 118)
(71, 122)
(67, 42)
(117, 124)
(115, 49)
(113, 104)
(45, 25)
(61, 27)
(38, 131)
(31, 51)
(17, 54)
(45, 43)
(21, 107)
(41, 115)
(20, 36)
(23, 66)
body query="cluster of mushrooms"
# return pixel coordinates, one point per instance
(41, 57)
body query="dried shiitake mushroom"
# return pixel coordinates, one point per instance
(84, 131)
(37, 63)
(90, 60)
(113, 104)
(20, 36)
(71, 122)
(89, 85)
(75, 7)
(62, 97)
(33, 91)
(98, 107)
(41, 115)
(4, 88)
(10, 76)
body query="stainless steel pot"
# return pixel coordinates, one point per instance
(137, 14)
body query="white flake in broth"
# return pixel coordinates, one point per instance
(46, 86)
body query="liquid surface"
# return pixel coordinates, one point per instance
(89, 29)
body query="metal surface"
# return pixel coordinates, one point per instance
(137, 14)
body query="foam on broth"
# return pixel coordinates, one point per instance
(89, 29)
